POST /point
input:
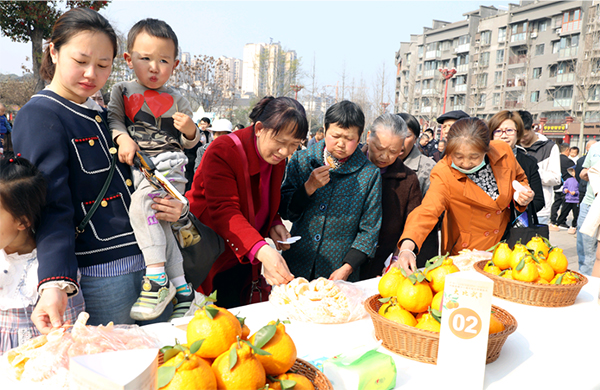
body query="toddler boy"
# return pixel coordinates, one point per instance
(145, 114)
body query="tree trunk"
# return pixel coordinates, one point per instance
(36, 57)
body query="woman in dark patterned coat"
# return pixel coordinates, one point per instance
(332, 194)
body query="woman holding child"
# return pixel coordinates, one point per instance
(63, 132)
(237, 192)
(473, 185)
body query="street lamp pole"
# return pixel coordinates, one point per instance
(447, 74)
(296, 88)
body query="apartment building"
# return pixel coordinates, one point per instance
(231, 74)
(540, 56)
(268, 69)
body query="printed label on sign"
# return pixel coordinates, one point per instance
(467, 304)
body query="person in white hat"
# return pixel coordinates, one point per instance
(219, 127)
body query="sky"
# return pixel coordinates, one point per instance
(356, 36)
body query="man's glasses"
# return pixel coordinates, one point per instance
(505, 131)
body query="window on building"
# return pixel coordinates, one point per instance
(464, 39)
(539, 50)
(535, 96)
(416, 103)
(537, 73)
(486, 38)
(420, 51)
(462, 59)
(420, 69)
(460, 80)
(594, 93)
(406, 91)
(446, 45)
(592, 116)
(542, 25)
(498, 77)
(426, 102)
(405, 106)
(565, 67)
(499, 56)
(484, 60)
(555, 47)
(482, 80)
(502, 34)
(518, 32)
(550, 95)
(496, 99)
(565, 92)
(408, 58)
(481, 100)
(569, 41)
(418, 86)
(571, 16)
(557, 21)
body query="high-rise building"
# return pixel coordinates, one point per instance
(232, 73)
(268, 69)
(539, 56)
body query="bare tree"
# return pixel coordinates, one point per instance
(204, 83)
(16, 90)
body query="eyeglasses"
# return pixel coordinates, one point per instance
(505, 131)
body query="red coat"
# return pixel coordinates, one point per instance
(218, 198)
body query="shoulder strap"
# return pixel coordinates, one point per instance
(242, 152)
(113, 162)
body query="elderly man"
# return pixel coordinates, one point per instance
(447, 120)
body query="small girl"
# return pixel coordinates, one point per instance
(22, 197)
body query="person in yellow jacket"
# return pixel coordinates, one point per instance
(473, 185)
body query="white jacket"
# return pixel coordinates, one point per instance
(549, 169)
(592, 219)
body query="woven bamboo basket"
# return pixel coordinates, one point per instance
(422, 345)
(318, 379)
(533, 294)
(302, 367)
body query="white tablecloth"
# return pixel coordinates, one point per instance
(552, 348)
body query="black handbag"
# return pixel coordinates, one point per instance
(199, 258)
(514, 233)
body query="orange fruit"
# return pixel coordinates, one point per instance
(400, 315)
(282, 351)
(565, 278)
(388, 284)
(302, 382)
(414, 295)
(541, 280)
(437, 276)
(557, 260)
(194, 373)
(436, 302)
(492, 268)
(392, 302)
(526, 270)
(545, 270)
(218, 332)
(428, 322)
(507, 274)
(516, 255)
(247, 373)
(245, 332)
(496, 325)
(538, 246)
(501, 256)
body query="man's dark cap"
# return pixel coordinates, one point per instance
(457, 114)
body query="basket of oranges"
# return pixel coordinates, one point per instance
(221, 353)
(406, 313)
(534, 274)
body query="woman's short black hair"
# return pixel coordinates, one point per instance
(279, 114)
(412, 123)
(345, 114)
(22, 190)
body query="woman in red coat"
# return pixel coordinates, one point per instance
(219, 197)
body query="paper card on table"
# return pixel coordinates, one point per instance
(290, 240)
(105, 371)
(462, 352)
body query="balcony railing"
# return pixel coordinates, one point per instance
(459, 107)
(513, 104)
(429, 73)
(563, 102)
(462, 48)
(462, 68)
(433, 54)
(518, 59)
(565, 77)
(429, 91)
(460, 88)
(568, 52)
(425, 110)
(516, 82)
(518, 37)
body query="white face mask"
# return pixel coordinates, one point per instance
(470, 171)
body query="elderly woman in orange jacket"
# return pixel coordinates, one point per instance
(473, 185)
